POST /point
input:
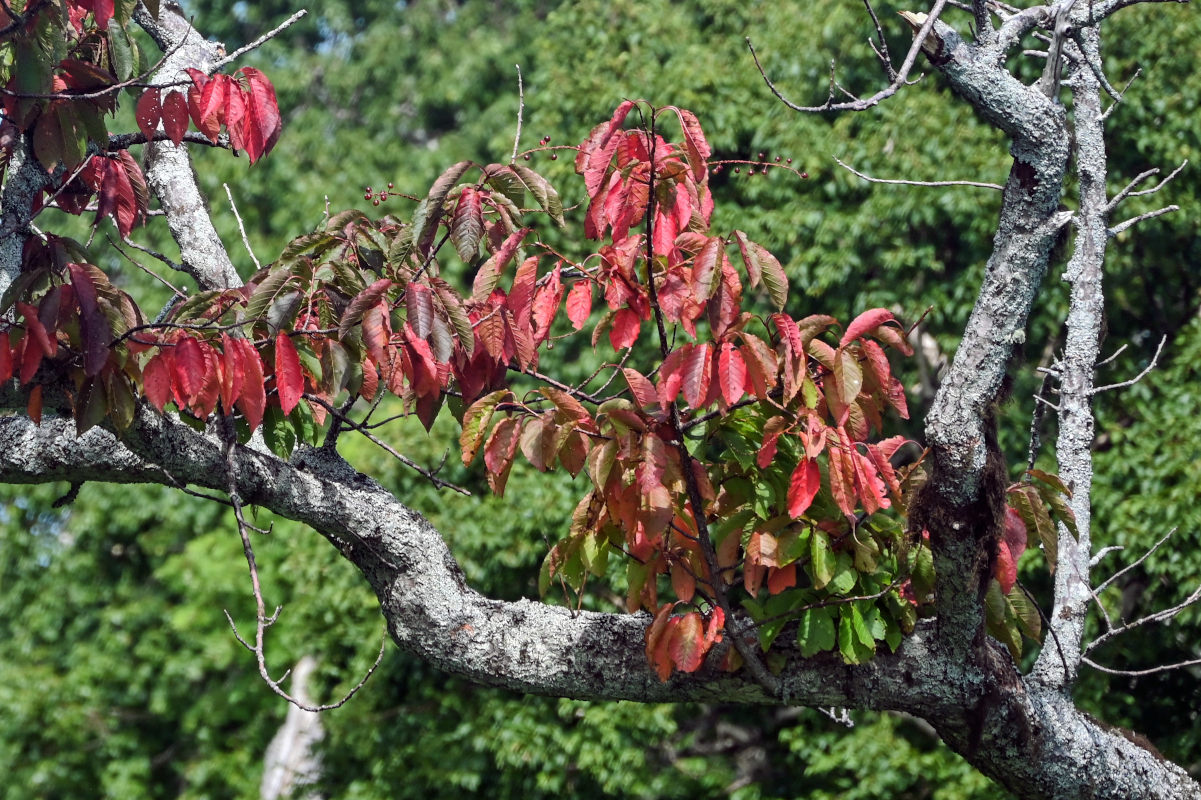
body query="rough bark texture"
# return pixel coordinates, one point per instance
(1021, 730)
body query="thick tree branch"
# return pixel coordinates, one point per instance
(1082, 348)
(1032, 740)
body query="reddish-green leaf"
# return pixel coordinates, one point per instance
(697, 372)
(641, 388)
(476, 420)
(688, 643)
(499, 452)
(419, 308)
(288, 377)
(364, 300)
(489, 274)
(467, 224)
(731, 373)
(156, 380)
(848, 375)
(429, 213)
(705, 269)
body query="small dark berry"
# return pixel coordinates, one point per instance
(554, 156)
(375, 202)
(750, 171)
(762, 156)
(383, 196)
(526, 156)
(737, 170)
(777, 159)
(789, 161)
(390, 182)
(367, 190)
(804, 174)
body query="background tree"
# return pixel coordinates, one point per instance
(586, 118)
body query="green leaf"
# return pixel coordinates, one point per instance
(822, 563)
(815, 632)
(548, 199)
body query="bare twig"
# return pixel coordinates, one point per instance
(882, 47)
(896, 182)
(859, 104)
(174, 290)
(1159, 616)
(241, 228)
(262, 621)
(259, 42)
(1136, 378)
(1159, 212)
(1117, 101)
(408, 462)
(1141, 559)
(1138, 673)
(1104, 551)
(1142, 176)
(520, 114)
(1111, 357)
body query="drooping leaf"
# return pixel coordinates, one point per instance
(489, 273)
(353, 314)
(94, 328)
(289, 379)
(803, 487)
(149, 112)
(688, 643)
(865, 323)
(548, 199)
(697, 372)
(476, 420)
(579, 303)
(731, 373)
(429, 214)
(260, 123)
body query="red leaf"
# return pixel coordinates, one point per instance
(579, 303)
(546, 304)
(842, 476)
(624, 332)
(695, 144)
(705, 269)
(1015, 536)
(260, 123)
(175, 116)
(1006, 568)
(731, 373)
(499, 452)
(697, 372)
(781, 578)
(46, 344)
(95, 330)
(671, 374)
(288, 377)
(419, 308)
(803, 487)
(362, 301)
(866, 323)
(205, 120)
(253, 399)
(687, 644)
(489, 274)
(656, 642)
(189, 367)
(149, 112)
(31, 358)
(521, 298)
(6, 358)
(641, 388)
(377, 333)
(156, 380)
(209, 112)
(682, 582)
(232, 374)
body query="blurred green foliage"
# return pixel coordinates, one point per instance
(119, 676)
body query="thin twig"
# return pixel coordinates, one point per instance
(1159, 616)
(259, 41)
(1114, 355)
(1138, 673)
(1159, 212)
(1122, 94)
(520, 114)
(174, 290)
(241, 228)
(1143, 558)
(1136, 378)
(870, 179)
(859, 104)
(408, 462)
(1142, 176)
